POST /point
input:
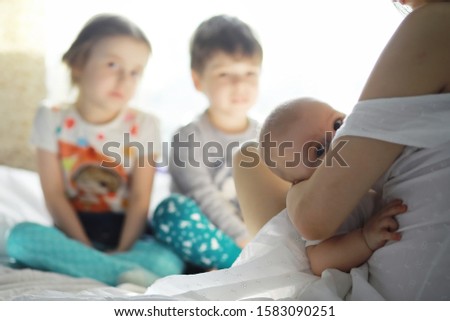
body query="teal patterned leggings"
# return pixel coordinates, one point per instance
(179, 223)
(47, 248)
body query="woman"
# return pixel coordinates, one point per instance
(395, 141)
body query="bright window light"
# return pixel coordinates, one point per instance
(323, 49)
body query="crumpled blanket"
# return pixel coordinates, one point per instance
(272, 266)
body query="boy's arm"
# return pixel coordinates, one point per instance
(191, 176)
(62, 212)
(344, 252)
(138, 203)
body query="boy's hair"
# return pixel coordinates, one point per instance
(222, 33)
(99, 27)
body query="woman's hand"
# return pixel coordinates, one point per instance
(383, 226)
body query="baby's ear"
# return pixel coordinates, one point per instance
(196, 79)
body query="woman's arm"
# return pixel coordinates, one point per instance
(415, 62)
(318, 206)
(62, 212)
(138, 203)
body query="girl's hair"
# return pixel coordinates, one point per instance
(97, 28)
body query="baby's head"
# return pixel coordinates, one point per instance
(226, 61)
(295, 136)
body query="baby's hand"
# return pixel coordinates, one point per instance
(382, 226)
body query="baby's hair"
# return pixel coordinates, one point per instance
(283, 117)
(97, 28)
(222, 33)
(277, 127)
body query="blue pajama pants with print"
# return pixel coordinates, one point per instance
(47, 248)
(179, 222)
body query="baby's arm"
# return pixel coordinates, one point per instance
(139, 200)
(62, 212)
(343, 252)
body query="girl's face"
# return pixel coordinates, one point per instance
(109, 77)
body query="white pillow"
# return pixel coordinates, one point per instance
(21, 197)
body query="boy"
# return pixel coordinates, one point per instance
(205, 225)
(293, 141)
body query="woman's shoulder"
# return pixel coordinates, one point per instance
(432, 8)
(416, 59)
(435, 16)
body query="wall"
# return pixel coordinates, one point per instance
(22, 77)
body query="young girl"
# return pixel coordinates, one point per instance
(96, 185)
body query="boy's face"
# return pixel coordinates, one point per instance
(309, 142)
(230, 82)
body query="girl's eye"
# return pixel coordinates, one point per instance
(113, 65)
(223, 75)
(320, 151)
(135, 74)
(337, 124)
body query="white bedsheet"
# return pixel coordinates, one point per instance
(16, 283)
(273, 266)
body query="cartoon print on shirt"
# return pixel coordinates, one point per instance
(97, 187)
(93, 187)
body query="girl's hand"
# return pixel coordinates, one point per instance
(112, 251)
(382, 226)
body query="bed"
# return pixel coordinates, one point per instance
(273, 266)
(21, 199)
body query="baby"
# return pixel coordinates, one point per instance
(293, 141)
